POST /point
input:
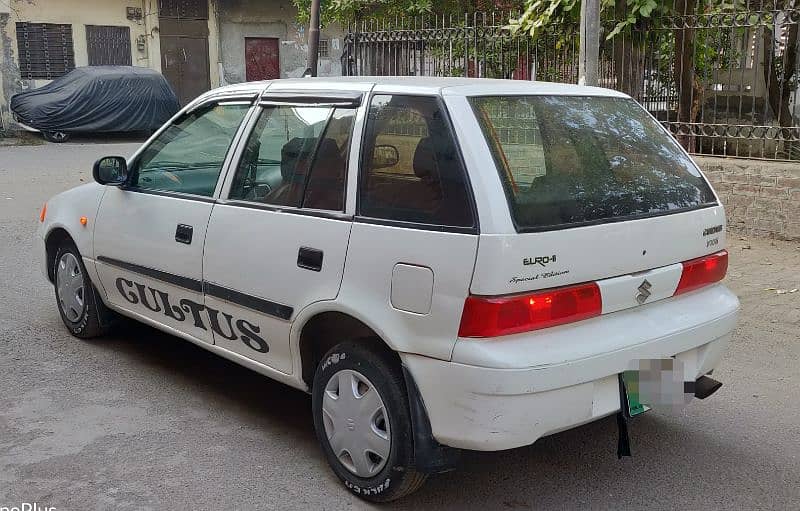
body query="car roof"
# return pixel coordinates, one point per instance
(423, 84)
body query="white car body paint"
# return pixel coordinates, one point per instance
(485, 394)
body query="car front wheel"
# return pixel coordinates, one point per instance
(75, 295)
(362, 420)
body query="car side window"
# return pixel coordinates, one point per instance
(295, 152)
(187, 157)
(326, 184)
(410, 166)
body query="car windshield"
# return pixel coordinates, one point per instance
(572, 160)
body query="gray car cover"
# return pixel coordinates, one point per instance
(99, 99)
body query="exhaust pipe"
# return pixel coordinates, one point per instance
(703, 387)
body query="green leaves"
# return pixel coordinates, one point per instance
(539, 15)
(344, 11)
(637, 10)
(542, 14)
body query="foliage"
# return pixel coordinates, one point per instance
(541, 14)
(344, 11)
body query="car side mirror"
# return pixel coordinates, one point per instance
(385, 156)
(110, 170)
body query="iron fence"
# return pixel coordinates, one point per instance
(724, 81)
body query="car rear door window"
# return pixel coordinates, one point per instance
(576, 160)
(295, 152)
(410, 168)
(326, 184)
(188, 156)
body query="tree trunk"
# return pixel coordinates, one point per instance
(684, 70)
(628, 57)
(779, 88)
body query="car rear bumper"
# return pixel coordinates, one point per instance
(494, 408)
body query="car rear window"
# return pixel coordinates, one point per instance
(572, 160)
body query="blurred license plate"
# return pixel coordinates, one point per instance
(631, 396)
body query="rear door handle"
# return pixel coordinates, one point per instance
(183, 234)
(309, 259)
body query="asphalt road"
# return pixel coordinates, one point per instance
(142, 420)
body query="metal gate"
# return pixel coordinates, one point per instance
(184, 46)
(725, 81)
(108, 46)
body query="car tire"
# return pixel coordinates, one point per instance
(348, 373)
(56, 136)
(81, 310)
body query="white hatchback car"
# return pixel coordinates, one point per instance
(444, 264)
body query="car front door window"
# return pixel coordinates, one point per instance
(187, 157)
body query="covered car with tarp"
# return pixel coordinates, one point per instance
(97, 99)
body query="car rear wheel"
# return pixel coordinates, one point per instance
(75, 294)
(56, 136)
(362, 420)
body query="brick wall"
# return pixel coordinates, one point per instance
(761, 197)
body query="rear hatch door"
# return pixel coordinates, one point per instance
(597, 191)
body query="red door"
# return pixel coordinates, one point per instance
(262, 58)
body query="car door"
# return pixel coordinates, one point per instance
(278, 240)
(149, 233)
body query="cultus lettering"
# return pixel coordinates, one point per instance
(221, 323)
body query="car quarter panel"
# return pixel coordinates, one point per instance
(373, 254)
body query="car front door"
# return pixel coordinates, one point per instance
(149, 233)
(277, 241)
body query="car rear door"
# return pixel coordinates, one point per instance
(277, 241)
(149, 234)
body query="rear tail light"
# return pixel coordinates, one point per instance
(703, 271)
(503, 315)
(494, 316)
(43, 213)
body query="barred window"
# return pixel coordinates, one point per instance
(45, 50)
(324, 51)
(108, 45)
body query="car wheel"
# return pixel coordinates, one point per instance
(75, 295)
(362, 420)
(56, 136)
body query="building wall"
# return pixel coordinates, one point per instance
(239, 19)
(760, 197)
(80, 13)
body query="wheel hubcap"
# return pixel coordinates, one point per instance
(356, 423)
(69, 287)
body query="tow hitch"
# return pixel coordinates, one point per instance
(702, 388)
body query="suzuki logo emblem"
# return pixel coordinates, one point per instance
(644, 292)
(351, 424)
